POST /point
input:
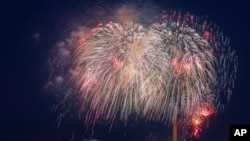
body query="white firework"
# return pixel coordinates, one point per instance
(157, 71)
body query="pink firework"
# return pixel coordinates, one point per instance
(174, 66)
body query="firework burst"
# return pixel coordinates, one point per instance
(157, 71)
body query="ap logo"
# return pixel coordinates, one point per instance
(240, 133)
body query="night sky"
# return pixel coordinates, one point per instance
(30, 29)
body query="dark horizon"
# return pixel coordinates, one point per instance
(26, 106)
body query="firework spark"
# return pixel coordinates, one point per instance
(156, 71)
(200, 119)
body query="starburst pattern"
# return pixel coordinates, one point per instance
(156, 72)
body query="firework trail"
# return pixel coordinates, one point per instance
(156, 71)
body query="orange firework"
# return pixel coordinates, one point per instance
(200, 118)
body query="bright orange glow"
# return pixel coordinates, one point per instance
(200, 118)
(196, 121)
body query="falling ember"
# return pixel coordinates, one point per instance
(196, 132)
(172, 66)
(200, 118)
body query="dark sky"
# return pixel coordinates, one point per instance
(26, 107)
